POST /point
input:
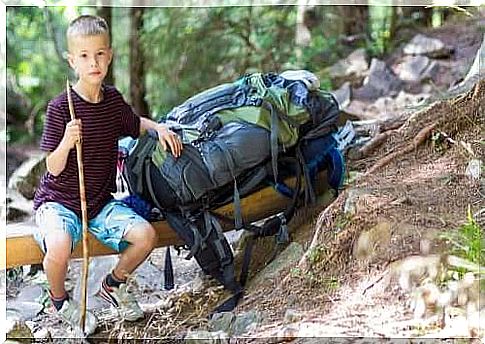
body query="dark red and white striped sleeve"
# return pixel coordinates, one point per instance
(130, 122)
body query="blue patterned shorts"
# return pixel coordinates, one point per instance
(109, 226)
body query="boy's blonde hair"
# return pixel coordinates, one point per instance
(87, 25)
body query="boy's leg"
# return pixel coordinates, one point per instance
(59, 231)
(120, 228)
(142, 238)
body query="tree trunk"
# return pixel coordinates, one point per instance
(137, 70)
(104, 12)
(52, 33)
(428, 16)
(392, 27)
(355, 18)
(303, 36)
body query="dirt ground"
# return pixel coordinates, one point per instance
(419, 194)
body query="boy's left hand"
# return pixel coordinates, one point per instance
(170, 139)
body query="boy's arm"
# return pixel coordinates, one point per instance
(56, 160)
(165, 135)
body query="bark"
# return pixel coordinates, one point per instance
(303, 36)
(355, 19)
(302, 33)
(105, 13)
(52, 34)
(137, 64)
(392, 26)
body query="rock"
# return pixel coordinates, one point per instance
(381, 81)
(31, 293)
(27, 309)
(206, 337)
(292, 316)
(384, 108)
(474, 169)
(14, 214)
(404, 100)
(222, 321)
(378, 236)
(423, 45)
(246, 322)
(291, 255)
(235, 325)
(14, 158)
(353, 68)
(477, 69)
(416, 68)
(350, 206)
(15, 277)
(359, 110)
(149, 277)
(18, 207)
(343, 95)
(26, 178)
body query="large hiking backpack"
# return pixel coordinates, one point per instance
(237, 137)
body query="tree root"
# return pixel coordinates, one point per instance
(371, 146)
(322, 223)
(419, 139)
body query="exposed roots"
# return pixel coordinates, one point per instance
(418, 140)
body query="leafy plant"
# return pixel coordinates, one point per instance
(468, 241)
(317, 253)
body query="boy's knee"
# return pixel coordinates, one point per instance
(143, 235)
(60, 253)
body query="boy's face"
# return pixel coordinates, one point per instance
(90, 57)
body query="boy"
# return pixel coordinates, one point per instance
(102, 116)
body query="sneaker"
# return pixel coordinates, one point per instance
(70, 313)
(123, 301)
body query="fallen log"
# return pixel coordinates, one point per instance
(22, 249)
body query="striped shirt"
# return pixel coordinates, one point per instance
(103, 124)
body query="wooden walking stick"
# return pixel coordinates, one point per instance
(84, 214)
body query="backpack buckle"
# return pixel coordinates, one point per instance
(282, 237)
(344, 136)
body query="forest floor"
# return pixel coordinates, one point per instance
(353, 283)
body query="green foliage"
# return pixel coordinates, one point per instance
(316, 280)
(381, 18)
(34, 68)
(439, 141)
(120, 42)
(186, 49)
(191, 49)
(468, 241)
(316, 254)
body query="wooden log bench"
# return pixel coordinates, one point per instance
(22, 249)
